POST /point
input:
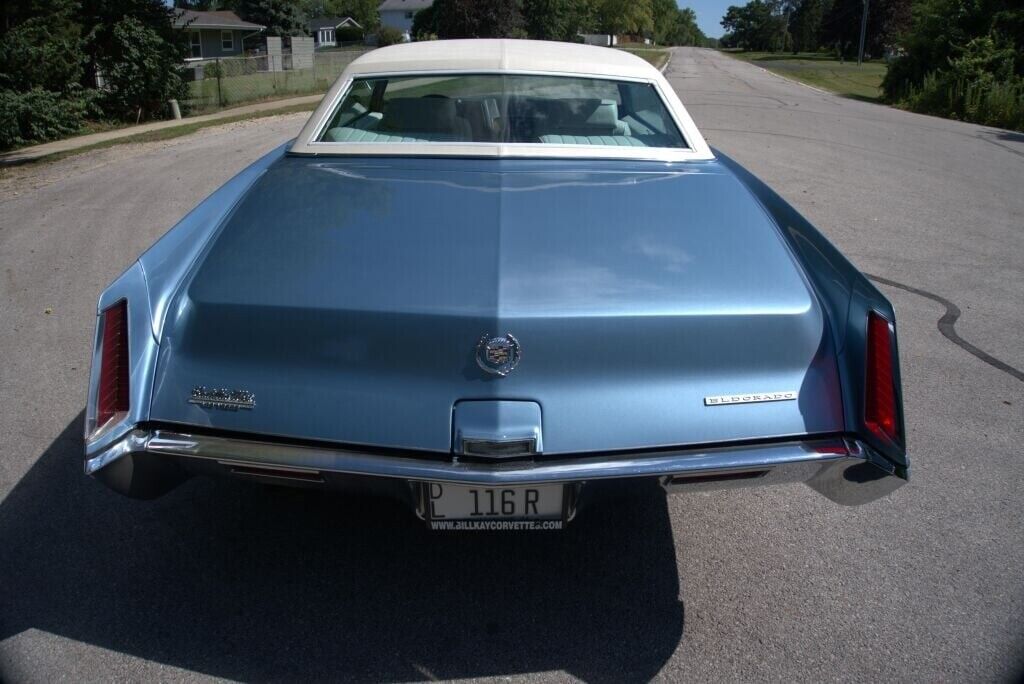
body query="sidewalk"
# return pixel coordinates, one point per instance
(28, 154)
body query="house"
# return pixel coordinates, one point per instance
(600, 39)
(214, 34)
(399, 13)
(326, 30)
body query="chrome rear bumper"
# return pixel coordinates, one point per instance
(147, 463)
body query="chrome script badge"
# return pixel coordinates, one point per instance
(499, 354)
(227, 399)
(752, 398)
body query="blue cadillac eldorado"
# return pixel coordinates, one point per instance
(496, 278)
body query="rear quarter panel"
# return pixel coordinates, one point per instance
(846, 295)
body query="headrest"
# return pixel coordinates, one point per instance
(605, 114)
(420, 114)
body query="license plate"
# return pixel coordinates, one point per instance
(470, 507)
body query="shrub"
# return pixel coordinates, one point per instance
(983, 101)
(349, 34)
(388, 35)
(213, 70)
(141, 72)
(44, 52)
(978, 86)
(39, 115)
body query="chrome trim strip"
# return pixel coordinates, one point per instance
(844, 470)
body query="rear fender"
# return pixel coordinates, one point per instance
(847, 297)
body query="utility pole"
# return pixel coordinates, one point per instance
(863, 30)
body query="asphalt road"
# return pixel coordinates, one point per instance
(230, 580)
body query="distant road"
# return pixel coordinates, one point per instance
(934, 203)
(224, 579)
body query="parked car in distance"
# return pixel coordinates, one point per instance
(497, 279)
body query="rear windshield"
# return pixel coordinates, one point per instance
(503, 108)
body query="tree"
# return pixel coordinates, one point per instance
(940, 36)
(424, 23)
(363, 11)
(281, 17)
(758, 25)
(685, 31)
(473, 19)
(633, 17)
(135, 70)
(41, 66)
(558, 19)
(98, 18)
(388, 35)
(896, 21)
(206, 5)
(805, 24)
(840, 25)
(664, 18)
(44, 52)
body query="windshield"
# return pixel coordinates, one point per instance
(503, 108)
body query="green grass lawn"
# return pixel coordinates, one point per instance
(655, 56)
(823, 71)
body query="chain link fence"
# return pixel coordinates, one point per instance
(231, 81)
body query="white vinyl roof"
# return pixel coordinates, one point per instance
(502, 56)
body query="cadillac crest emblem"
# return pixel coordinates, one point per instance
(498, 354)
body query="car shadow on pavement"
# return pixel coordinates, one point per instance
(247, 582)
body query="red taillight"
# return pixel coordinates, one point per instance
(880, 413)
(112, 393)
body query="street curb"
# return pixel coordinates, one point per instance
(784, 78)
(793, 80)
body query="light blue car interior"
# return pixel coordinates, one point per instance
(512, 110)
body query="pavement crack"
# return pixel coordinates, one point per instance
(947, 326)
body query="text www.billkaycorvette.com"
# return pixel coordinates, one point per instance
(495, 525)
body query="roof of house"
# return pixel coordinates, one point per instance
(213, 20)
(405, 5)
(332, 22)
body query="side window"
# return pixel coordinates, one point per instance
(227, 41)
(646, 111)
(195, 43)
(356, 103)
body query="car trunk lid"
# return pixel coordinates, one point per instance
(349, 297)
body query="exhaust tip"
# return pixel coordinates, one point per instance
(717, 477)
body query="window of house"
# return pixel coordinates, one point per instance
(195, 44)
(227, 40)
(408, 15)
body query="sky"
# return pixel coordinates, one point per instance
(709, 14)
